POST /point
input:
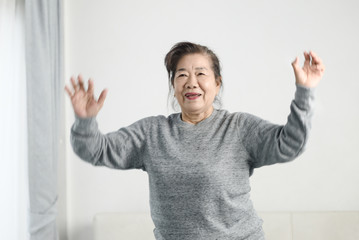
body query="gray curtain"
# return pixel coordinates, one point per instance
(44, 67)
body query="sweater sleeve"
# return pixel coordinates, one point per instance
(122, 149)
(269, 143)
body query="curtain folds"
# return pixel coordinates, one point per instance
(44, 67)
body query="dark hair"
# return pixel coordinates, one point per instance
(181, 49)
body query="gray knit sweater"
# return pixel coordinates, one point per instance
(199, 174)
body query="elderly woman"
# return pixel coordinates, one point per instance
(199, 160)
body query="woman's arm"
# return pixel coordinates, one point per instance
(268, 143)
(122, 149)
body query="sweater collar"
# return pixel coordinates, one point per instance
(199, 124)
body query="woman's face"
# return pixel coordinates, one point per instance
(194, 84)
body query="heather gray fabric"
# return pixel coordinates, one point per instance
(199, 174)
(43, 34)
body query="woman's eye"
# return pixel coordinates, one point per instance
(182, 75)
(201, 74)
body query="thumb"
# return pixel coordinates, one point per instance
(102, 97)
(296, 67)
(295, 64)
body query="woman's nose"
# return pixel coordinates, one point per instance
(192, 82)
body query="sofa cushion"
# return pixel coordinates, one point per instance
(276, 226)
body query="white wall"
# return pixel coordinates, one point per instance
(122, 44)
(14, 197)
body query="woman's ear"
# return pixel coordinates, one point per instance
(219, 81)
(218, 84)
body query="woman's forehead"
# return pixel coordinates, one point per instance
(194, 62)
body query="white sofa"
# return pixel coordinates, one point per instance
(277, 226)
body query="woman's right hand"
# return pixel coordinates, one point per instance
(83, 102)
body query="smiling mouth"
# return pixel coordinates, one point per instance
(192, 96)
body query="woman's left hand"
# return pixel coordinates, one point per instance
(312, 71)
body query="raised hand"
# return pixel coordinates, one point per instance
(312, 71)
(83, 102)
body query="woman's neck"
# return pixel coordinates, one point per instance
(195, 118)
